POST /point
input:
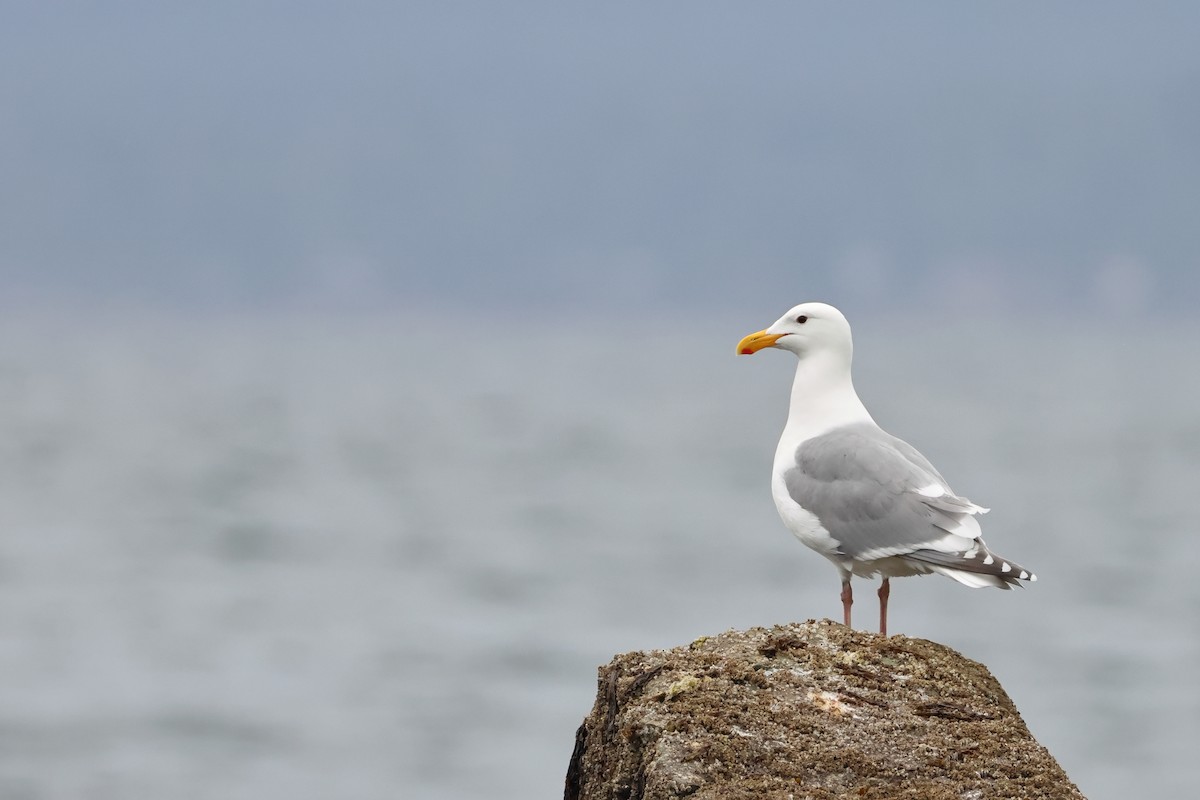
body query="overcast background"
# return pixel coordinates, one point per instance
(367, 372)
(624, 157)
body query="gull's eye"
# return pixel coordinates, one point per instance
(802, 319)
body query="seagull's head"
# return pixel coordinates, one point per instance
(804, 330)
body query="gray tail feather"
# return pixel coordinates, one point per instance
(1010, 572)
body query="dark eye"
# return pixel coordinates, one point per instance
(802, 319)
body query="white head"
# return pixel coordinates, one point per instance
(806, 330)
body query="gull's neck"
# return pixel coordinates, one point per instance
(823, 398)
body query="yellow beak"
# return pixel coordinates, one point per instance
(757, 341)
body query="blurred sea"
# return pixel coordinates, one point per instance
(314, 558)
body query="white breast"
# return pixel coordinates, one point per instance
(804, 524)
(821, 401)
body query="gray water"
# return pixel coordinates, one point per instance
(383, 559)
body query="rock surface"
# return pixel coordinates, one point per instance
(811, 710)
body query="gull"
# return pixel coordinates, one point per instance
(864, 499)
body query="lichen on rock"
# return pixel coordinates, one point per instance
(812, 710)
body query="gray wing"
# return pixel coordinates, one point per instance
(863, 485)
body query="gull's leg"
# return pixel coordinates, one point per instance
(885, 589)
(847, 599)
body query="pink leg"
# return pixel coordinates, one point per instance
(885, 589)
(847, 600)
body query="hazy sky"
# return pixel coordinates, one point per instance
(626, 157)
